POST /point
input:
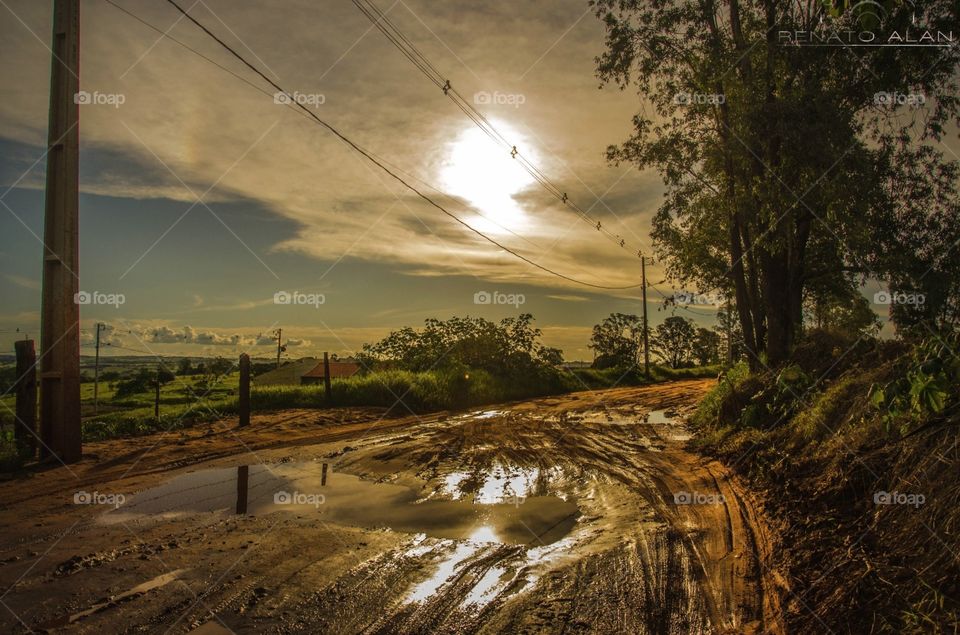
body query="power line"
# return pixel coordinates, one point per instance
(412, 53)
(369, 155)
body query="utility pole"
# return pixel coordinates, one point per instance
(96, 373)
(60, 313)
(646, 326)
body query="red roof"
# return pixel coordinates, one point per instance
(337, 369)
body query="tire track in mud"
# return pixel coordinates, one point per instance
(633, 562)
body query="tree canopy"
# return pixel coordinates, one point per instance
(794, 172)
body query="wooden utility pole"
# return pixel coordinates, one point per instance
(646, 325)
(326, 375)
(243, 397)
(96, 373)
(60, 313)
(25, 432)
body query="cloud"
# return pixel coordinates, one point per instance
(209, 128)
(22, 281)
(189, 335)
(569, 298)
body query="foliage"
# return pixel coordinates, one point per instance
(706, 347)
(617, 341)
(673, 340)
(142, 381)
(784, 174)
(923, 384)
(510, 348)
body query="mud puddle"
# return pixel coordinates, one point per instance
(500, 513)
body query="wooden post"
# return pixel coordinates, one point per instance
(156, 401)
(323, 475)
(25, 430)
(243, 480)
(244, 393)
(326, 375)
(60, 311)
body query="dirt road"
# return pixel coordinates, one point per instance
(576, 514)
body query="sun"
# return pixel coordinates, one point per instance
(483, 173)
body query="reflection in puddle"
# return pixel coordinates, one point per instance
(488, 587)
(347, 499)
(445, 570)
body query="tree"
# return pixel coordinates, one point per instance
(673, 340)
(783, 165)
(508, 348)
(617, 341)
(185, 366)
(706, 347)
(144, 380)
(219, 366)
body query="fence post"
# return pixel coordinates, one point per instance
(156, 401)
(25, 427)
(244, 393)
(326, 375)
(243, 479)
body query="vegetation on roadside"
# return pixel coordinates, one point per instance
(855, 445)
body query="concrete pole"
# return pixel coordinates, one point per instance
(60, 313)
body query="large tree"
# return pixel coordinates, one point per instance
(673, 340)
(617, 340)
(792, 166)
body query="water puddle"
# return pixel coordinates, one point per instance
(501, 513)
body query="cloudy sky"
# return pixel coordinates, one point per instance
(201, 198)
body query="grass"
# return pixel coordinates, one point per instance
(818, 468)
(189, 400)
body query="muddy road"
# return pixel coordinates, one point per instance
(576, 514)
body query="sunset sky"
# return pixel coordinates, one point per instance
(286, 206)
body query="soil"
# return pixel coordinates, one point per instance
(582, 513)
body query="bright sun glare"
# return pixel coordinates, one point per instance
(480, 171)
